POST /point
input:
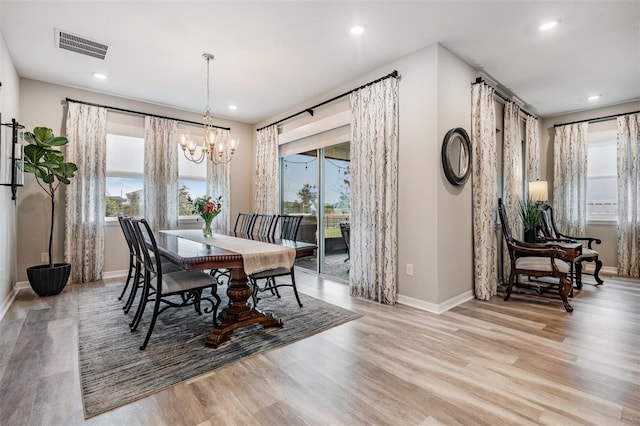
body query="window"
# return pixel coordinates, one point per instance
(602, 180)
(124, 176)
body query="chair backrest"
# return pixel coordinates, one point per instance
(262, 224)
(506, 229)
(244, 221)
(345, 230)
(127, 234)
(547, 225)
(288, 226)
(148, 247)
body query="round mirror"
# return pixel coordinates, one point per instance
(456, 156)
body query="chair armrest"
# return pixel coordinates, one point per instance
(557, 240)
(590, 240)
(540, 250)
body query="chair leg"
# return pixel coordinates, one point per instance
(597, 271)
(134, 288)
(126, 284)
(565, 287)
(509, 286)
(156, 308)
(144, 298)
(295, 289)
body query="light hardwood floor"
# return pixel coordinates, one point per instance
(525, 361)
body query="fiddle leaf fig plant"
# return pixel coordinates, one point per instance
(48, 165)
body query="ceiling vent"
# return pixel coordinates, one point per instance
(79, 44)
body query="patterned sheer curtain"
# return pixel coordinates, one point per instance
(512, 176)
(161, 173)
(485, 188)
(85, 197)
(570, 178)
(219, 184)
(629, 195)
(267, 172)
(532, 144)
(374, 192)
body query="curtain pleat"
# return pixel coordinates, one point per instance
(86, 129)
(512, 175)
(570, 178)
(267, 172)
(161, 173)
(628, 152)
(219, 184)
(485, 188)
(532, 144)
(374, 192)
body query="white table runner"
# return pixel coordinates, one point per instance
(257, 256)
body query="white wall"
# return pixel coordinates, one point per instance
(607, 233)
(434, 219)
(42, 104)
(9, 106)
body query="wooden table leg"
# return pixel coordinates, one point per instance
(239, 313)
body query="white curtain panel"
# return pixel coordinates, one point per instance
(570, 178)
(629, 195)
(374, 192)
(512, 176)
(219, 184)
(532, 144)
(161, 173)
(485, 188)
(86, 130)
(267, 172)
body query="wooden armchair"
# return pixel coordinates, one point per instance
(550, 233)
(536, 260)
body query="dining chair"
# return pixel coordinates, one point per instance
(168, 290)
(345, 230)
(288, 226)
(534, 259)
(132, 263)
(244, 222)
(262, 225)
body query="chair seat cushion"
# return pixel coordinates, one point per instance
(168, 267)
(588, 253)
(176, 282)
(542, 264)
(271, 273)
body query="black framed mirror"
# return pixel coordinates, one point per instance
(456, 156)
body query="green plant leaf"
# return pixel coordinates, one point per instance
(43, 133)
(57, 141)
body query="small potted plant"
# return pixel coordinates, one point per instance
(531, 216)
(47, 163)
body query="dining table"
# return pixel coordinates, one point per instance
(243, 255)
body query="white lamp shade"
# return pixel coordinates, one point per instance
(539, 190)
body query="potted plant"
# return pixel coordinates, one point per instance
(46, 162)
(531, 216)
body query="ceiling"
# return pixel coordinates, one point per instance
(272, 55)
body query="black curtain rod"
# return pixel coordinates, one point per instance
(501, 96)
(597, 119)
(309, 110)
(142, 113)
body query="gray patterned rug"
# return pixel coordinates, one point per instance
(115, 372)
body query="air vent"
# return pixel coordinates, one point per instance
(79, 44)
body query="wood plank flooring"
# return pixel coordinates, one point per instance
(521, 362)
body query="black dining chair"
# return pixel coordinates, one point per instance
(244, 222)
(168, 290)
(262, 225)
(288, 227)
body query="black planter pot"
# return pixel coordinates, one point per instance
(47, 281)
(530, 235)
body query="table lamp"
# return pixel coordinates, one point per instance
(539, 191)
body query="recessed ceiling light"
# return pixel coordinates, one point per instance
(99, 76)
(233, 107)
(594, 97)
(548, 25)
(357, 30)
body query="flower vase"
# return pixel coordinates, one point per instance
(206, 228)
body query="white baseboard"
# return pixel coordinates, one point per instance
(115, 274)
(434, 308)
(589, 267)
(6, 303)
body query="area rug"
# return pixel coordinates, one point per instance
(115, 372)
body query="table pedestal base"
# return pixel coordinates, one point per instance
(239, 313)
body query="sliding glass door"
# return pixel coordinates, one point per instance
(320, 177)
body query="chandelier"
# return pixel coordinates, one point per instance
(218, 147)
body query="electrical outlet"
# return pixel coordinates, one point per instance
(410, 269)
(44, 257)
